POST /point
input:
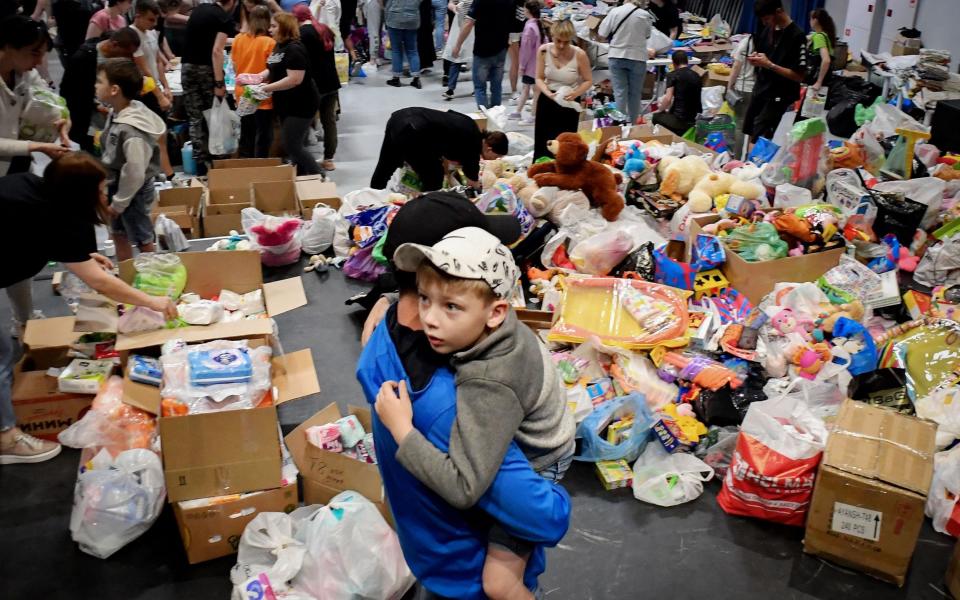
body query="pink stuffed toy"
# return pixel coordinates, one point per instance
(787, 321)
(278, 240)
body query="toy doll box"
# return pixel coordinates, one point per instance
(757, 279)
(231, 451)
(230, 190)
(325, 474)
(869, 497)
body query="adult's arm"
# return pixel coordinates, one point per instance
(541, 71)
(488, 414)
(292, 80)
(674, 31)
(605, 27)
(825, 61)
(117, 290)
(175, 17)
(93, 28)
(468, 25)
(586, 75)
(43, 6)
(219, 45)
(735, 74)
(667, 99)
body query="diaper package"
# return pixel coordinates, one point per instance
(144, 369)
(230, 365)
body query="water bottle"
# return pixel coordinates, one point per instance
(229, 77)
(186, 155)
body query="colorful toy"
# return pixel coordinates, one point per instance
(697, 369)
(911, 137)
(679, 175)
(828, 318)
(787, 321)
(573, 171)
(707, 188)
(635, 163)
(809, 360)
(708, 283)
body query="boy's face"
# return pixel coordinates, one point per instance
(145, 21)
(456, 320)
(104, 90)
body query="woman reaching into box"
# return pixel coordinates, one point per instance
(68, 202)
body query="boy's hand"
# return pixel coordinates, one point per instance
(396, 412)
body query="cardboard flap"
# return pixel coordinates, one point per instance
(284, 295)
(244, 163)
(199, 333)
(208, 273)
(294, 376)
(239, 180)
(142, 396)
(56, 332)
(179, 196)
(880, 443)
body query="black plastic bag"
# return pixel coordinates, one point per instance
(640, 261)
(897, 215)
(883, 387)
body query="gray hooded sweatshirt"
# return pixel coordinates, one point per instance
(507, 389)
(130, 151)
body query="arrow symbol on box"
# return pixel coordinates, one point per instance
(876, 526)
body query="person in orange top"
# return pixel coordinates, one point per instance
(250, 52)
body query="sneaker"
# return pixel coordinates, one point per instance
(513, 100)
(23, 448)
(448, 95)
(528, 120)
(328, 165)
(416, 83)
(426, 71)
(395, 81)
(514, 116)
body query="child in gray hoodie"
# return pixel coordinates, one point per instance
(507, 388)
(130, 151)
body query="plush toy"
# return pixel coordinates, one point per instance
(277, 232)
(810, 360)
(678, 176)
(635, 163)
(787, 321)
(714, 184)
(550, 202)
(831, 312)
(719, 226)
(494, 170)
(572, 171)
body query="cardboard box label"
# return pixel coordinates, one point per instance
(858, 522)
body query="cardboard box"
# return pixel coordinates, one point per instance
(213, 531)
(756, 279)
(183, 205)
(229, 192)
(311, 191)
(952, 578)
(243, 163)
(868, 501)
(277, 198)
(645, 133)
(41, 408)
(231, 451)
(901, 49)
(480, 119)
(325, 474)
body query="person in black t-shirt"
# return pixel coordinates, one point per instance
(780, 63)
(295, 97)
(318, 41)
(207, 30)
(682, 98)
(667, 17)
(69, 202)
(492, 20)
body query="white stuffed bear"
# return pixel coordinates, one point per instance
(714, 184)
(549, 202)
(678, 176)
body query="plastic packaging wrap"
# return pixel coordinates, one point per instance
(202, 312)
(599, 254)
(140, 318)
(756, 242)
(160, 274)
(178, 389)
(594, 447)
(170, 234)
(277, 238)
(111, 424)
(595, 306)
(41, 111)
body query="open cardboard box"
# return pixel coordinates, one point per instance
(244, 163)
(230, 451)
(757, 279)
(645, 133)
(312, 190)
(41, 408)
(209, 532)
(869, 497)
(278, 198)
(229, 192)
(325, 474)
(182, 205)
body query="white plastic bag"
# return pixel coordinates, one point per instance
(925, 190)
(711, 99)
(658, 41)
(171, 234)
(791, 196)
(352, 554)
(945, 491)
(260, 228)
(352, 203)
(116, 501)
(496, 117)
(823, 399)
(318, 234)
(668, 479)
(224, 127)
(519, 144)
(268, 547)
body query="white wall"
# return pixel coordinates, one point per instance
(838, 10)
(938, 21)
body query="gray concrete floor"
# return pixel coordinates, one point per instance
(616, 547)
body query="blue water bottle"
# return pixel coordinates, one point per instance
(186, 154)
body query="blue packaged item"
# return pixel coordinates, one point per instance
(763, 152)
(594, 447)
(209, 367)
(865, 360)
(144, 369)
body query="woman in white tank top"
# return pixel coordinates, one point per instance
(563, 68)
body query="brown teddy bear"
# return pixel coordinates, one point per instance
(572, 171)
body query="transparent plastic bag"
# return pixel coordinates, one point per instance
(351, 553)
(666, 479)
(160, 274)
(269, 547)
(593, 447)
(600, 253)
(277, 238)
(170, 234)
(111, 424)
(318, 234)
(42, 109)
(224, 127)
(945, 492)
(756, 242)
(116, 500)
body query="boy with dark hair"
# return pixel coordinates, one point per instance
(680, 105)
(780, 63)
(131, 154)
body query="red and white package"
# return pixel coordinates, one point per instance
(774, 465)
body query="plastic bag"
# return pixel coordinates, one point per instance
(944, 493)
(716, 448)
(791, 196)
(116, 500)
(711, 98)
(501, 199)
(668, 479)
(658, 41)
(224, 127)
(160, 274)
(774, 466)
(598, 254)
(519, 144)
(269, 553)
(277, 238)
(822, 399)
(707, 253)
(940, 264)
(111, 424)
(318, 234)
(593, 447)
(874, 154)
(352, 553)
(866, 359)
(170, 234)
(496, 117)
(897, 215)
(763, 151)
(925, 190)
(756, 242)
(803, 159)
(41, 110)
(361, 265)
